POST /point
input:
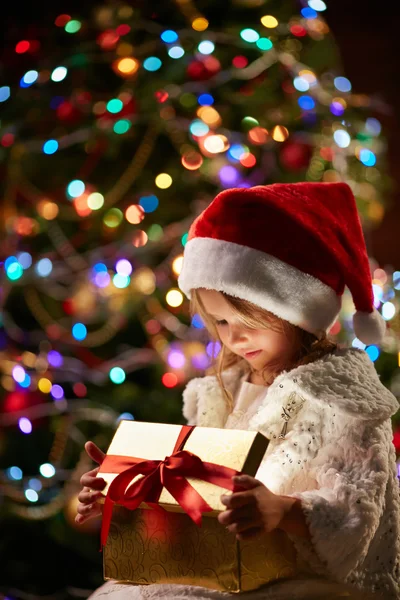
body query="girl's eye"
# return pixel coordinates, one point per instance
(223, 322)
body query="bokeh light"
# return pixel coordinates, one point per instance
(117, 375)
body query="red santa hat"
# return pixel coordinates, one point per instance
(288, 248)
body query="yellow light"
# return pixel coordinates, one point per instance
(95, 201)
(163, 181)
(124, 49)
(127, 65)
(47, 210)
(44, 385)
(399, 359)
(308, 75)
(209, 115)
(216, 143)
(280, 133)
(174, 298)
(269, 21)
(177, 265)
(200, 24)
(144, 281)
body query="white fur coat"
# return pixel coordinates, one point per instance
(337, 456)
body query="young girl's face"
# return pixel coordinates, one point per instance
(259, 347)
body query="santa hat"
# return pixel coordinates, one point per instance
(288, 248)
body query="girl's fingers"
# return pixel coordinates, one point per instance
(86, 496)
(94, 483)
(88, 510)
(94, 452)
(246, 482)
(232, 516)
(238, 499)
(249, 534)
(244, 525)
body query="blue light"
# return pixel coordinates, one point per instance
(373, 126)
(176, 52)
(301, 84)
(342, 84)
(10, 260)
(309, 13)
(149, 203)
(236, 151)
(169, 36)
(152, 63)
(121, 281)
(249, 35)
(4, 93)
(56, 101)
(198, 128)
(373, 352)
(125, 416)
(44, 267)
(100, 268)
(396, 280)
(25, 260)
(367, 157)
(205, 100)
(14, 473)
(29, 78)
(31, 495)
(47, 470)
(317, 5)
(35, 484)
(206, 47)
(79, 331)
(342, 138)
(197, 322)
(50, 146)
(75, 188)
(26, 382)
(306, 102)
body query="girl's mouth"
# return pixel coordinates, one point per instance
(252, 354)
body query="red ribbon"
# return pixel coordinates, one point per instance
(170, 473)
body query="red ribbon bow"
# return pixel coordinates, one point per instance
(170, 473)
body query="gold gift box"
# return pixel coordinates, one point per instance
(147, 546)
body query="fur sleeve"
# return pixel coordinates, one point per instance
(343, 514)
(190, 401)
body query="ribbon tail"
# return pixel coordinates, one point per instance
(188, 498)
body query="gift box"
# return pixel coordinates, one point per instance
(164, 484)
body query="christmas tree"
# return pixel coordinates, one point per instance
(116, 130)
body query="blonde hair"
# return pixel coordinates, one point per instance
(307, 347)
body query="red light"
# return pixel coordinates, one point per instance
(123, 29)
(336, 327)
(248, 160)
(298, 30)
(80, 390)
(169, 380)
(7, 140)
(22, 47)
(62, 20)
(240, 62)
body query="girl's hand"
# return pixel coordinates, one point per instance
(253, 511)
(88, 506)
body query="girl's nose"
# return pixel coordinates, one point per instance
(237, 335)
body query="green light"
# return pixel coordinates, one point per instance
(188, 100)
(73, 26)
(249, 122)
(14, 271)
(264, 44)
(117, 375)
(122, 126)
(185, 239)
(113, 217)
(249, 35)
(155, 232)
(115, 105)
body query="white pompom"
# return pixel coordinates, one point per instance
(369, 327)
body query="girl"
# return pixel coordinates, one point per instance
(265, 267)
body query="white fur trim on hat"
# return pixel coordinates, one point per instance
(369, 327)
(260, 278)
